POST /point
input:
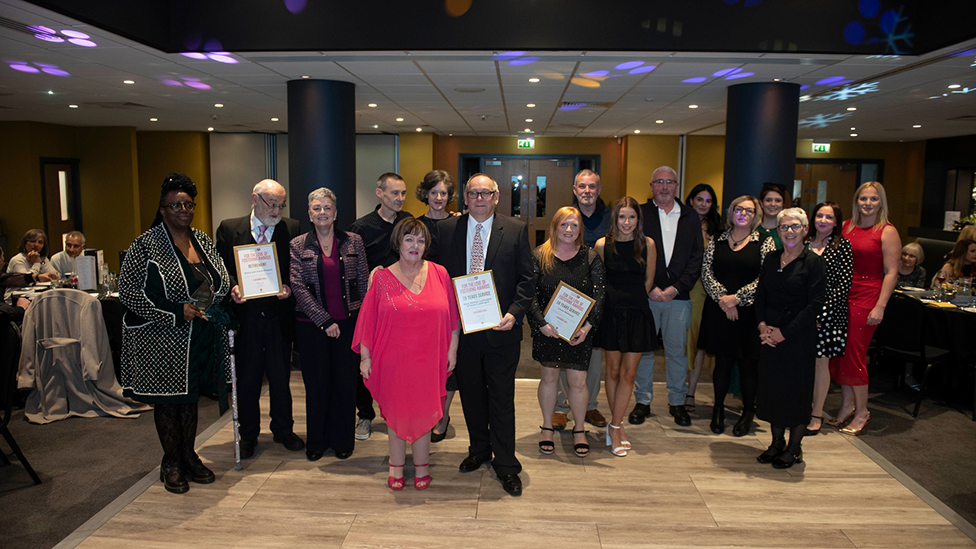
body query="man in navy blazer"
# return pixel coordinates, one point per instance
(267, 324)
(483, 240)
(676, 231)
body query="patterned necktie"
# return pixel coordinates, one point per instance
(262, 237)
(477, 252)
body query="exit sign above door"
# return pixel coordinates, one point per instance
(526, 143)
(821, 147)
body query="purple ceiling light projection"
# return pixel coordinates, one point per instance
(23, 66)
(48, 34)
(218, 56)
(186, 81)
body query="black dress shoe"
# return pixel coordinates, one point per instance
(742, 426)
(511, 484)
(343, 454)
(314, 455)
(471, 464)
(247, 448)
(437, 437)
(172, 479)
(786, 459)
(718, 419)
(639, 413)
(291, 441)
(774, 450)
(681, 416)
(198, 472)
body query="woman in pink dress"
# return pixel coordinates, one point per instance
(876, 249)
(407, 337)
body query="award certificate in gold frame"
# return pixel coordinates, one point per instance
(477, 301)
(567, 310)
(258, 274)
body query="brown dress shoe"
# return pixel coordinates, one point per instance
(596, 418)
(558, 421)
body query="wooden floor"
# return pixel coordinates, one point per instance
(679, 487)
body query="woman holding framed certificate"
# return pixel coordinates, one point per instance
(627, 330)
(568, 304)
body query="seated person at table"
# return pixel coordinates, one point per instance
(12, 279)
(64, 261)
(910, 273)
(33, 254)
(14, 313)
(961, 262)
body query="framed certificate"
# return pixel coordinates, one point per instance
(567, 310)
(477, 302)
(258, 274)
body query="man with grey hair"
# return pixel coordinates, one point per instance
(676, 231)
(267, 324)
(64, 261)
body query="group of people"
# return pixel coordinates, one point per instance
(379, 296)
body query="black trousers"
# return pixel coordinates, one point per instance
(486, 380)
(364, 401)
(262, 351)
(329, 369)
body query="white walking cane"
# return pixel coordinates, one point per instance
(233, 404)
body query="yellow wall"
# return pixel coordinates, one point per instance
(903, 176)
(416, 154)
(163, 152)
(705, 163)
(642, 154)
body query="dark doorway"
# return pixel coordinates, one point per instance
(61, 197)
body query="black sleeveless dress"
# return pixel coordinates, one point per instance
(627, 325)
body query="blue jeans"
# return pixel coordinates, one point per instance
(672, 319)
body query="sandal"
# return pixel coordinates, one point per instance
(839, 422)
(619, 451)
(395, 483)
(422, 483)
(582, 449)
(689, 406)
(547, 447)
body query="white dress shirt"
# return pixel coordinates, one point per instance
(669, 229)
(256, 228)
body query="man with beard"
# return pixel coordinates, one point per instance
(267, 324)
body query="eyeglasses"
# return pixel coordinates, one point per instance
(279, 207)
(177, 206)
(795, 227)
(665, 182)
(743, 211)
(319, 209)
(484, 195)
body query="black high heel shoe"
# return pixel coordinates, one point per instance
(437, 437)
(786, 459)
(742, 426)
(811, 432)
(774, 450)
(718, 419)
(547, 447)
(583, 448)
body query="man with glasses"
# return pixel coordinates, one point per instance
(375, 228)
(676, 231)
(477, 241)
(267, 324)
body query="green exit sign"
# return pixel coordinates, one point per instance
(821, 147)
(526, 143)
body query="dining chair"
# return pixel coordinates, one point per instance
(9, 353)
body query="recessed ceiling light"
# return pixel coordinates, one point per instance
(218, 105)
(420, 129)
(853, 135)
(450, 135)
(376, 126)
(529, 120)
(50, 92)
(531, 105)
(636, 131)
(692, 106)
(954, 86)
(527, 130)
(852, 108)
(128, 81)
(72, 106)
(533, 80)
(659, 121)
(210, 129)
(399, 120)
(372, 105)
(853, 128)
(776, 79)
(917, 126)
(154, 120)
(274, 119)
(306, 76)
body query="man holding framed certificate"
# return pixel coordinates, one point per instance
(482, 240)
(255, 250)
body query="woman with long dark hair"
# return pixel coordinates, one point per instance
(773, 198)
(703, 200)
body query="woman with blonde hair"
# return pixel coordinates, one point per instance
(564, 258)
(876, 247)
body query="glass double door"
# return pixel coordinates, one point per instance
(532, 189)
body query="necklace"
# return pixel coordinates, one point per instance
(783, 261)
(735, 243)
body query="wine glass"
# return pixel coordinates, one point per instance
(940, 278)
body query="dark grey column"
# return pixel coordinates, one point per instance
(322, 145)
(760, 137)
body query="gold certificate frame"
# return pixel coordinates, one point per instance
(258, 272)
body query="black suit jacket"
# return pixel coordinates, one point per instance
(236, 232)
(686, 258)
(509, 258)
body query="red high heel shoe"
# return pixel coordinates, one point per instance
(395, 483)
(422, 483)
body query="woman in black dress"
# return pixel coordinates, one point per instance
(627, 330)
(564, 258)
(789, 299)
(730, 272)
(825, 239)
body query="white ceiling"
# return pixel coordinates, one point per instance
(437, 91)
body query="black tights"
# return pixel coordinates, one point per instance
(796, 436)
(748, 380)
(176, 425)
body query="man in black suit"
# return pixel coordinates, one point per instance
(482, 240)
(267, 324)
(676, 230)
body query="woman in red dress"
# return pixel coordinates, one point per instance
(876, 247)
(407, 337)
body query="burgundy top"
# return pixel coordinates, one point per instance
(332, 290)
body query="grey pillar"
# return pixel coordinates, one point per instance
(322, 145)
(760, 137)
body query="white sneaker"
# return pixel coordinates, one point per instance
(363, 429)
